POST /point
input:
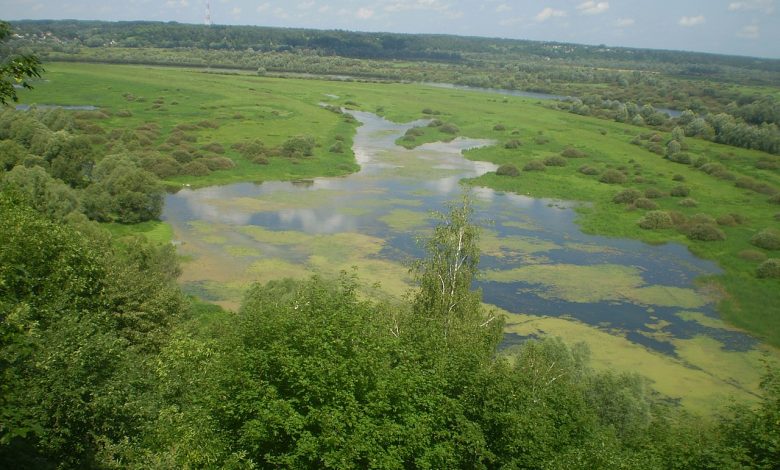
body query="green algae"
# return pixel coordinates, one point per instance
(404, 220)
(615, 283)
(491, 244)
(701, 379)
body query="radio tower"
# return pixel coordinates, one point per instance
(207, 19)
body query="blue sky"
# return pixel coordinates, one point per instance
(744, 27)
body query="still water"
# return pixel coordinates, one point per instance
(535, 259)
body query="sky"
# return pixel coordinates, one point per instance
(742, 27)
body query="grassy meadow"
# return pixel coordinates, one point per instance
(245, 107)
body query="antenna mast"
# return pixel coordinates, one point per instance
(207, 19)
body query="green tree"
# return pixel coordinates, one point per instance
(15, 69)
(122, 192)
(47, 195)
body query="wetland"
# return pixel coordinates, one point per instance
(539, 267)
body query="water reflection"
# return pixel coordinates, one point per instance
(373, 217)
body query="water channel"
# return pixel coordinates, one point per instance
(535, 259)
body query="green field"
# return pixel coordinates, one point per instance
(245, 107)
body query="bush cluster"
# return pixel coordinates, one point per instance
(534, 165)
(613, 177)
(769, 269)
(555, 160)
(768, 239)
(656, 220)
(626, 196)
(507, 170)
(571, 152)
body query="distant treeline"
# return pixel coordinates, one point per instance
(446, 48)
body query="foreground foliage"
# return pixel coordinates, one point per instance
(105, 366)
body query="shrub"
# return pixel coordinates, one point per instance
(753, 185)
(195, 168)
(435, 123)
(769, 269)
(777, 216)
(218, 163)
(768, 165)
(653, 193)
(162, 166)
(571, 152)
(507, 170)
(702, 219)
(768, 239)
(644, 203)
(627, 196)
(752, 255)
(415, 131)
(774, 199)
(555, 160)
(499, 127)
(540, 140)
(656, 148)
(680, 191)
(705, 232)
(512, 144)
(449, 129)
(124, 113)
(534, 165)
(588, 170)
(656, 220)
(726, 220)
(337, 147)
(214, 147)
(681, 157)
(678, 218)
(182, 156)
(688, 202)
(185, 127)
(430, 111)
(298, 146)
(210, 123)
(260, 159)
(613, 177)
(678, 177)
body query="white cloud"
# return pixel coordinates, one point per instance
(767, 6)
(511, 21)
(548, 13)
(593, 8)
(262, 7)
(177, 3)
(324, 9)
(502, 8)
(689, 21)
(305, 5)
(751, 31)
(364, 13)
(625, 22)
(235, 11)
(280, 13)
(406, 5)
